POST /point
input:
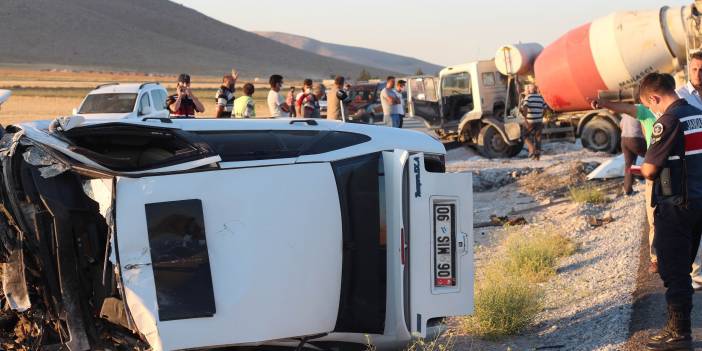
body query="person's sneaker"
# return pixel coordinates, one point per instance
(653, 267)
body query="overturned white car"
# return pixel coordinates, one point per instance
(202, 233)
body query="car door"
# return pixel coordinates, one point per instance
(158, 102)
(144, 108)
(436, 218)
(424, 100)
(456, 96)
(222, 257)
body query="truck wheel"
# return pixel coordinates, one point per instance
(491, 144)
(600, 135)
(514, 150)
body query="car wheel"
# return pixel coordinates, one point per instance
(600, 135)
(491, 143)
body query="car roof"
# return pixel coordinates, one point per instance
(117, 88)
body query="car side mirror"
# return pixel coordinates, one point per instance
(75, 111)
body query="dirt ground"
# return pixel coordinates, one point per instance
(588, 303)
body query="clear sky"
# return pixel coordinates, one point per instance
(444, 32)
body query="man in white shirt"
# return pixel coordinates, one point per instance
(391, 103)
(691, 93)
(276, 102)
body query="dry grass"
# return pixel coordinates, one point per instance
(507, 296)
(504, 306)
(41, 94)
(587, 194)
(534, 255)
(26, 108)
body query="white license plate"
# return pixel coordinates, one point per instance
(444, 245)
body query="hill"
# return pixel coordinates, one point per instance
(150, 36)
(362, 56)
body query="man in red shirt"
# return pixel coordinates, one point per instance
(184, 103)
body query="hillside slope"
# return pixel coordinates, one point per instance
(147, 35)
(362, 56)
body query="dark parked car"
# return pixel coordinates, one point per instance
(365, 103)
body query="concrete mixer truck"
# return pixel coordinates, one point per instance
(475, 102)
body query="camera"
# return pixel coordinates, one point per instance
(341, 95)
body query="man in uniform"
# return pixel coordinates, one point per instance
(674, 163)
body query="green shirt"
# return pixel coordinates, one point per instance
(648, 119)
(244, 107)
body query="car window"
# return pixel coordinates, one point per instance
(430, 90)
(180, 259)
(360, 184)
(158, 97)
(249, 145)
(488, 79)
(108, 103)
(131, 148)
(501, 78)
(361, 95)
(144, 102)
(456, 84)
(417, 87)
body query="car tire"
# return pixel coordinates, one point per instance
(491, 144)
(600, 135)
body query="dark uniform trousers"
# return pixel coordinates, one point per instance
(676, 239)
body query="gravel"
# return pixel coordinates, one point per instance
(588, 303)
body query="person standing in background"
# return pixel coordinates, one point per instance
(277, 106)
(307, 103)
(390, 101)
(335, 98)
(533, 107)
(647, 119)
(225, 95)
(184, 103)
(400, 90)
(319, 92)
(306, 90)
(245, 106)
(691, 93)
(290, 100)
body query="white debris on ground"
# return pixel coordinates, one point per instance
(588, 303)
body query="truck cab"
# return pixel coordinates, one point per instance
(467, 103)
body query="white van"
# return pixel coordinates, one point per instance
(202, 233)
(125, 100)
